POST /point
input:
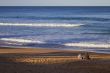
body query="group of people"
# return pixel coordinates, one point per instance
(85, 56)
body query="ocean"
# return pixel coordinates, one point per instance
(56, 27)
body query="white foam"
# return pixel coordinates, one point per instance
(20, 40)
(41, 24)
(89, 45)
(13, 43)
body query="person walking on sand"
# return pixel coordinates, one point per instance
(86, 56)
(80, 56)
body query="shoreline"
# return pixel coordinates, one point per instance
(46, 51)
(52, 49)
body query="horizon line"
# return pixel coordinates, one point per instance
(56, 6)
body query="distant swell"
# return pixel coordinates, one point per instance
(89, 45)
(57, 18)
(41, 24)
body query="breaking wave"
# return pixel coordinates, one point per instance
(20, 40)
(89, 45)
(41, 24)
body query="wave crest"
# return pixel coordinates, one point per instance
(41, 24)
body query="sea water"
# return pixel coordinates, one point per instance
(66, 27)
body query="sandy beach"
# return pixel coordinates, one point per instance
(28, 60)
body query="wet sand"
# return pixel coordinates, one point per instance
(28, 60)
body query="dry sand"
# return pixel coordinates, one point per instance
(28, 60)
